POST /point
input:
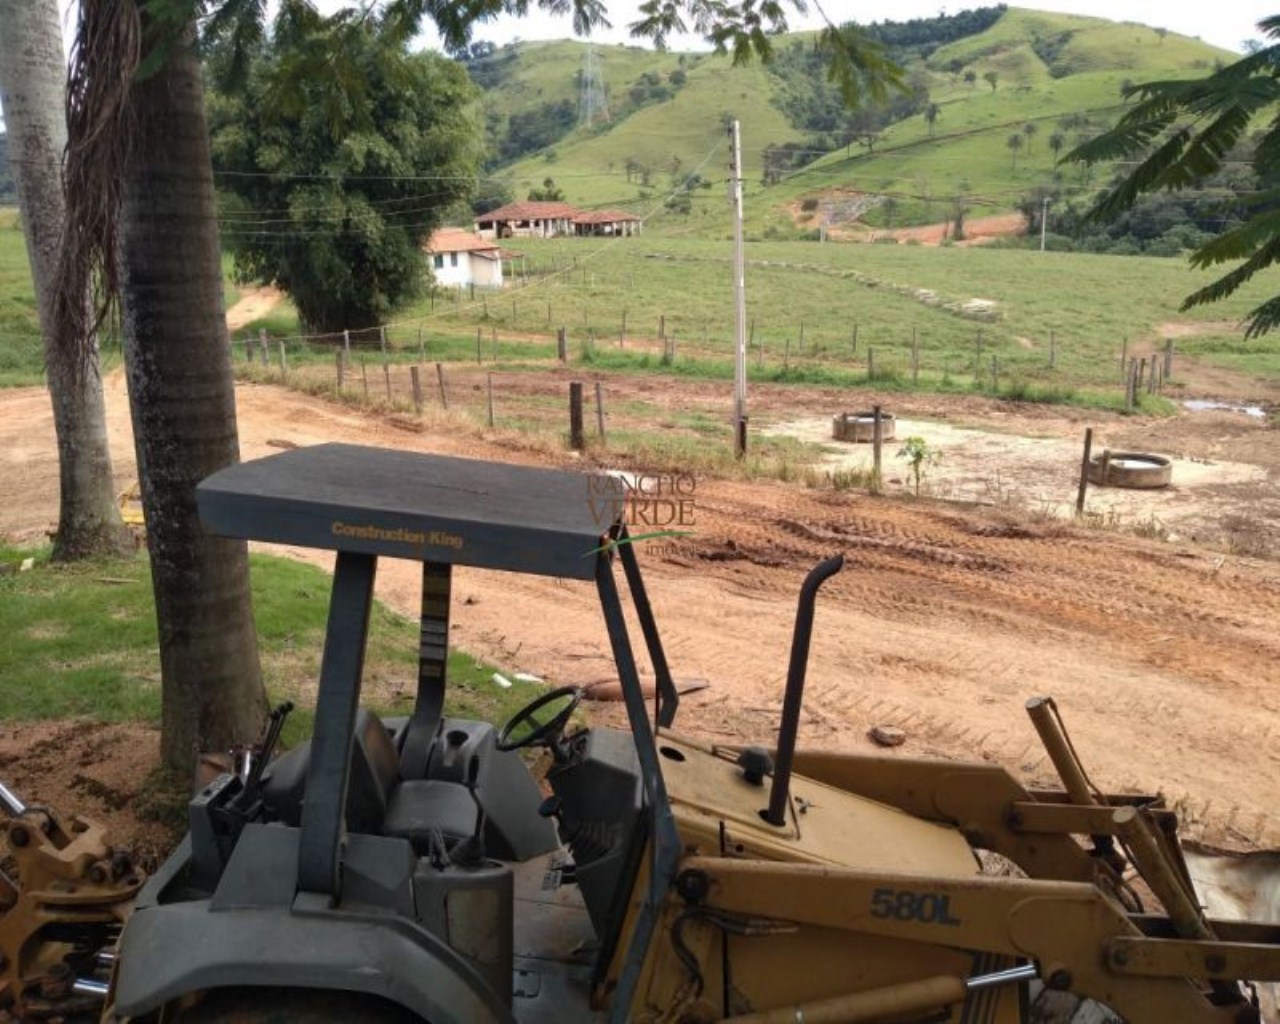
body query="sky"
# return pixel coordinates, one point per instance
(1225, 23)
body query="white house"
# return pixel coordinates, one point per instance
(460, 258)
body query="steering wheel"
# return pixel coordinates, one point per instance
(526, 729)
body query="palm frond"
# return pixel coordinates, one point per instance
(1264, 256)
(1239, 242)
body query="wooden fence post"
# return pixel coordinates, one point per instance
(422, 348)
(415, 380)
(1053, 350)
(1168, 358)
(248, 349)
(493, 344)
(346, 346)
(915, 357)
(871, 363)
(444, 398)
(284, 365)
(786, 354)
(342, 364)
(801, 344)
(478, 333)
(622, 331)
(600, 410)
(853, 342)
(1124, 357)
(562, 345)
(576, 440)
(662, 325)
(382, 342)
(995, 373)
(489, 388)
(386, 373)
(977, 359)
(364, 377)
(1084, 471)
(262, 344)
(877, 446)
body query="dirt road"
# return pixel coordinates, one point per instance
(1163, 657)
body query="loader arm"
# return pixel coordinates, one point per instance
(1081, 939)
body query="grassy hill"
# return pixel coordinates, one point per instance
(680, 135)
(1048, 66)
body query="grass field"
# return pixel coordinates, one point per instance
(81, 640)
(1092, 306)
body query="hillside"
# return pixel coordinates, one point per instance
(1047, 67)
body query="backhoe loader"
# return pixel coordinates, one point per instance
(415, 870)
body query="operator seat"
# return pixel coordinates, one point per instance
(380, 802)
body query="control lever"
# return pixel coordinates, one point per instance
(248, 794)
(470, 852)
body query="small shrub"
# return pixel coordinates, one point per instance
(918, 456)
(809, 205)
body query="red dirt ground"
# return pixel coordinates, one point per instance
(1163, 656)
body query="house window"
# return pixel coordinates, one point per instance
(453, 259)
(438, 261)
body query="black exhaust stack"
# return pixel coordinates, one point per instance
(776, 814)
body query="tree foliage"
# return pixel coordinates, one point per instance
(1182, 133)
(333, 202)
(921, 36)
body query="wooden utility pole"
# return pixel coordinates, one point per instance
(739, 302)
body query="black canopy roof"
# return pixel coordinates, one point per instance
(399, 504)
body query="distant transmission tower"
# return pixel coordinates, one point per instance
(593, 103)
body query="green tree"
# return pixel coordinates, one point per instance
(970, 78)
(991, 78)
(550, 192)
(347, 246)
(1056, 141)
(141, 216)
(1182, 132)
(1014, 142)
(931, 113)
(1029, 130)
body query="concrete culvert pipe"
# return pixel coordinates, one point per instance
(1130, 469)
(861, 426)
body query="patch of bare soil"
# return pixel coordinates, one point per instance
(99, 771)
(253, 304)
(1163, 656)
(977, 230)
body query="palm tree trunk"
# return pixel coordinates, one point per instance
(32, 91)
(182, 397)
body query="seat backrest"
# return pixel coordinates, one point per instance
(375, 773)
